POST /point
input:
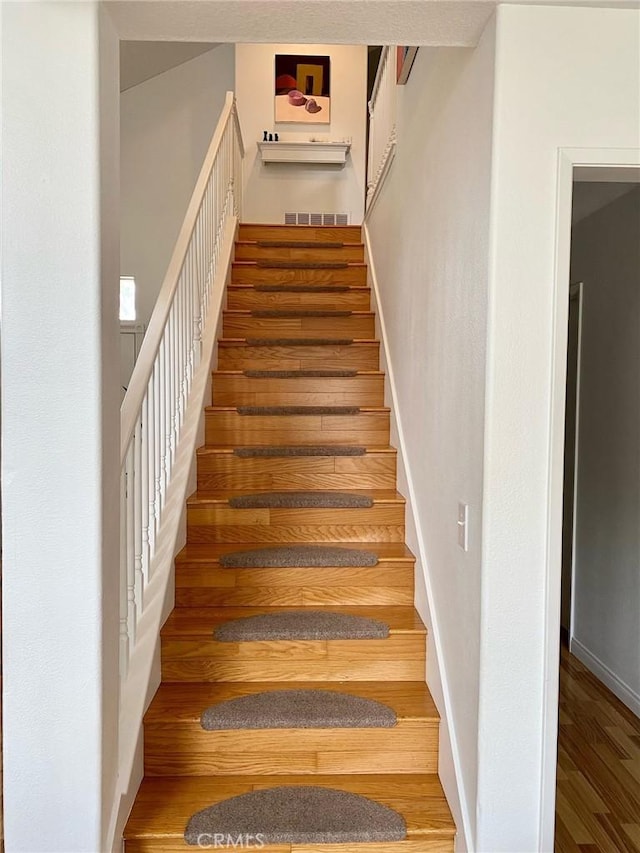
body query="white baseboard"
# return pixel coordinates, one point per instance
(607, 676)
(449, 766)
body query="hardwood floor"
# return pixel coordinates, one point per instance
(598, 786)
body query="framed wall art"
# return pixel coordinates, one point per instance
(405, 58)
(302, 89)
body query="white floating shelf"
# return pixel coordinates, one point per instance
(328, 153)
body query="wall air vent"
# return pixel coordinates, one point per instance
(316, 219)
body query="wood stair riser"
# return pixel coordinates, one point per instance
(408, 747)
(213, 586)
(239, 390)
(248, 272)
(237, 355)
(243, 325)
(305, 233)
(383, 522)
(249, 251)
(225, 470)
(400, 657)
(246, 298)
(226, 426)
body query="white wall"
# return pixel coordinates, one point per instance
(589, 196)
(60, 423)
(564, 77)
(270, 190)
(429, 232)
(605, 255)
(166, 127)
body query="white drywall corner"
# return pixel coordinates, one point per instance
(60, 423)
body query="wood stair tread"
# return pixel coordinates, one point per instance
(245, 242)
(245, 286)
(203, 582)
(221, 496)
(363, 409)
(211, 553)
(184, 703)
(242, 342)
(358, 373)
(164, 805)
(227, 342)
(247, 312)
(227, 449)
(244, 263)
(201, 621)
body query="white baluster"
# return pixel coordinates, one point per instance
(175, 380)
(181, 353)
(151, 456)
(144, 487)
(124, 632)
(131, 592)
(166, 410)
(157, 446)
(137, 518)
(197, 319)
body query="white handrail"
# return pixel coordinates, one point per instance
(154, 407)
(382, 122)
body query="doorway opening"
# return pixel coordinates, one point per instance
(598, 783)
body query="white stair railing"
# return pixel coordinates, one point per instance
(153, 409)
(382, 122)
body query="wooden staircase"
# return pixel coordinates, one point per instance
(188, 768)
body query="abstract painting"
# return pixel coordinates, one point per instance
(303, 89)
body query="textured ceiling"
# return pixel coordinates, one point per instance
(419, 22)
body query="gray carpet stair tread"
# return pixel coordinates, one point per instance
(298, 709)
(298, 410)
(298, 342)
(299, 374)
(207, 552)
(299, 244)
(302, 288)
(181, 703)
(292, 313)
(299, 556)
(303, 265)
(300, 625)
(299, 815)
(299, 450)
(379, 619)
(301, 500)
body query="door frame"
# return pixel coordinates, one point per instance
(613, 164)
